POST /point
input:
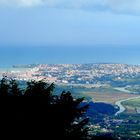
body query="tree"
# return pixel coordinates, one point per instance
(4, 86)
(70, 121)
(14, 89)
(36, 112)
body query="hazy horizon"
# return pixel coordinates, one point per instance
(68, 55)
(75, 31)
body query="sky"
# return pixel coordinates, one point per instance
(82, 24)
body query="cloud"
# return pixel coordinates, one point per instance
(118, 6)
(21, 3)
(123, 6)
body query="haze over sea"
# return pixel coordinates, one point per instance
(78, 31)
(58, 55)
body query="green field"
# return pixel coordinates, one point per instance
(97, 94)
(132, 106)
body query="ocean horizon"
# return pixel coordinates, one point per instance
(10, 56)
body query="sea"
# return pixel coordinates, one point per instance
(22, 55)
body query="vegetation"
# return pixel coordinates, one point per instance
(36, 113)
(132, 106)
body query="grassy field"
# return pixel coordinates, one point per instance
(100, 94)
(107, 95)
(132, 105)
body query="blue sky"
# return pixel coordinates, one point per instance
(70, 23)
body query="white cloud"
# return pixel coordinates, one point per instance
(116, 5)
(30, 2)
(22, 3)
(121, 6)
(124, 6)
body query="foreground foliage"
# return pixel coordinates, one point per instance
(34, 112)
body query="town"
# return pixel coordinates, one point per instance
(97, 75)
(92, 73)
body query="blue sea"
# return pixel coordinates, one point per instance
(57, 55)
